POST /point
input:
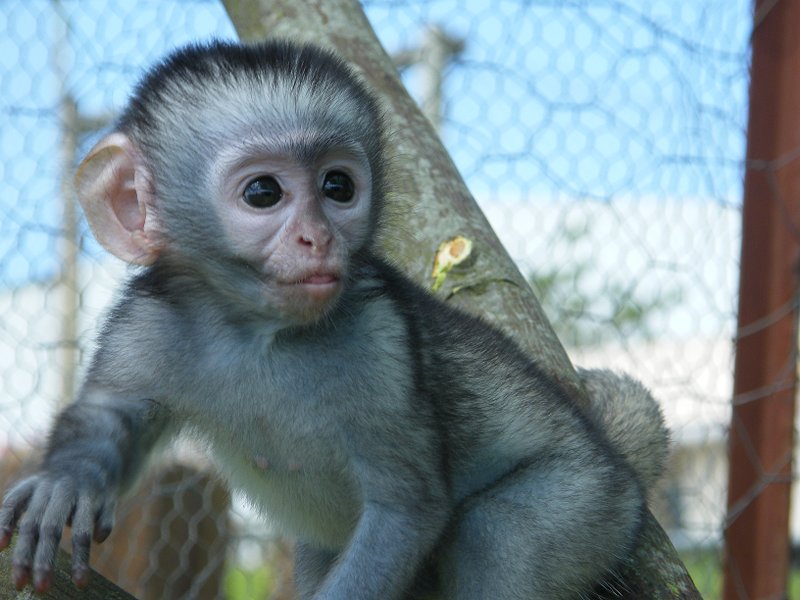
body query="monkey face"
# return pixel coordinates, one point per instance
(295, 217)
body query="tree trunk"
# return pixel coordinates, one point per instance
(429, 204)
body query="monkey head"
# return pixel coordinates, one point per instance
(256, 171)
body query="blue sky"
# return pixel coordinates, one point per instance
(550, 99)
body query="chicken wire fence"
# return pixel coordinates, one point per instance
(604, 140)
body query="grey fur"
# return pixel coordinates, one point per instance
(630, 419)
(409, 447)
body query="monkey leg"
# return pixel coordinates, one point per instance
(549, 530)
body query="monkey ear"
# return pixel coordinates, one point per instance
(115, 189)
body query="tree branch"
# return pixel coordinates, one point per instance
(61, 587)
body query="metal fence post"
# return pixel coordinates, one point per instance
(761, 431)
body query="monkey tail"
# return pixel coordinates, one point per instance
(632, 420)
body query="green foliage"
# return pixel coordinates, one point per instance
(705, 567)
(582, 316)
(245, 584)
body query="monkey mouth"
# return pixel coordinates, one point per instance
(322, 279)
(318, 287)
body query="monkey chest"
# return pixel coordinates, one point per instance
(307, 494)
(282, 444)
(288, 425)
(295, 469)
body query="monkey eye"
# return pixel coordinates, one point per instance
(338, 186)
(263, 192)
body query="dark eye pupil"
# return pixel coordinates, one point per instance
(338, 186)
(263, 192)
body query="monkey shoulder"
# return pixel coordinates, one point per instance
(497, 407)
(449, 340)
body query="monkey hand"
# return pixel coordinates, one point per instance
(40, 506)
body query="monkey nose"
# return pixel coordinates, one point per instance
(318, 239)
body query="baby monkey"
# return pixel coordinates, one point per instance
(411, 449)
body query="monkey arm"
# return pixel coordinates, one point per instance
(96, 450)
(405, 507)
(384, 554)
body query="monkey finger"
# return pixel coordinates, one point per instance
(28, 537)
(83, 517)
(6, 533)
(42, 578)
(81, 545)
(83, 521)
(21, 575)
(51, 528)
(105, 521)
(14, 504)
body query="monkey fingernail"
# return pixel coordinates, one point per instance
(21, 576)
(101, 533)
(41, 580)
(80, 577)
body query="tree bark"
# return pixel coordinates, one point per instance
(429, 204)
(99, 588)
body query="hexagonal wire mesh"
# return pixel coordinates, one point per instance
(603, 139)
